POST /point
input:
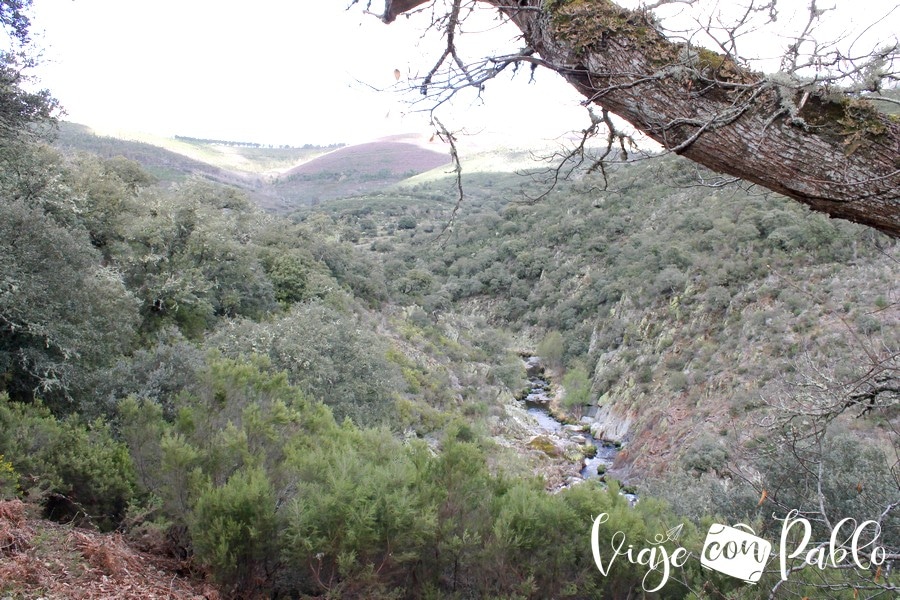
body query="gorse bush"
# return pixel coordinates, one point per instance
(232, 527)
(9, 479)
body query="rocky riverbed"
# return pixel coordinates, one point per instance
(589, 456)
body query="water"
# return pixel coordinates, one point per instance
(537, 400)
(536, 403)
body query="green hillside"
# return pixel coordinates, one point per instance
(278, 179)
(238, 372)
(690, 307)
(164, 163)
(325, 404)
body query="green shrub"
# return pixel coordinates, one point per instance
(551, 349)
(288, 275)
(78, 468)
(233, 527)
(577, 384)
(9, 479)
(678, 381)
(645, 374)
(705, 455)
(406, 222)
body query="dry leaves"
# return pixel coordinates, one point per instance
(59, 561)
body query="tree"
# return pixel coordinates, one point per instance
(808, 132)
(19, 108)
(61, 313)
(577, 383)
(552, 348)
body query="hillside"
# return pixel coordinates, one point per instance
(328, 404)
(277, 179)
(690, 309)
(164, 164)
(42, 559)
(355, 171)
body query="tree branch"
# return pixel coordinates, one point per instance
(803, 138)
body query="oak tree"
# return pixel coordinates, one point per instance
(809, 131)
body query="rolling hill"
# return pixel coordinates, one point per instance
(279, 179)
(356, 170)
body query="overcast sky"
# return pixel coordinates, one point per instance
(295, 71)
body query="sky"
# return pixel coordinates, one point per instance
(308, 71)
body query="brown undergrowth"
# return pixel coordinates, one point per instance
(42, 559)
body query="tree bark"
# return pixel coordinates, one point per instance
(836, 155)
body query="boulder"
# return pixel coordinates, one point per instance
(534, 367)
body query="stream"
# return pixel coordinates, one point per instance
(537, 402)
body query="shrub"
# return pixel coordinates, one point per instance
(705, 455)
(552, 348)
(678, 381)
(406, 222)
(79, 468)
(9, 479)
(233, 527)
(578, 387)
(288, 275)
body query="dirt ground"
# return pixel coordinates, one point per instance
(42, 559)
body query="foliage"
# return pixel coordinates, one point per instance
(320, 415)
(79, 469)
(855, 480)
(233, 527)
(577, 384)
(705, 456)
(188, 263)
(22, 110)
(325, 353)
(359, 512)
(289, 277)
(9, 479)
(552, 349)
(61, 313)
(406, 222)
(164, 367)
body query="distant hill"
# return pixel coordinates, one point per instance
(162, 163)
(356, 170)
(279, 179)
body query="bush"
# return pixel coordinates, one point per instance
(78, 468)
(678, 381)
(9, 479)
(288, 275)
(578, 387)
(705, 455)
(551, 349)
(406, 222)
(233, 527)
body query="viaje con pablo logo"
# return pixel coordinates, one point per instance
(736, 551)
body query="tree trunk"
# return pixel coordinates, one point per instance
(838, 156)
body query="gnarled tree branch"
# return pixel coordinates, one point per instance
(837, 155)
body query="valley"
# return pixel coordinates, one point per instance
(305, 371)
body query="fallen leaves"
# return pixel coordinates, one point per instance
(61, 561)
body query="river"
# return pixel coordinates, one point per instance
(537, 401)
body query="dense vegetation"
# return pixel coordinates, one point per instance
(179, 363)
(166, 354)
(323, 405)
